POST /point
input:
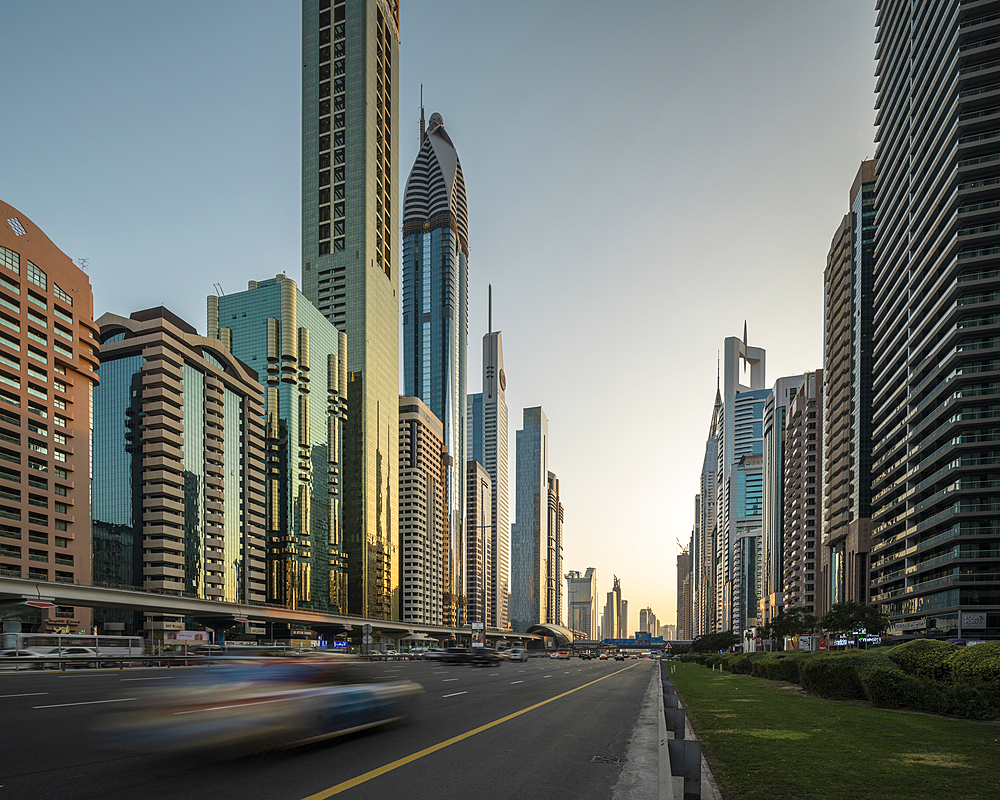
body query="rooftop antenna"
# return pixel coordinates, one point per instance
(489, 346)
(83, 262)
(218, 289)
(743, 355)
(423, 135)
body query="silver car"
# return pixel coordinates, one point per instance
(518, 654)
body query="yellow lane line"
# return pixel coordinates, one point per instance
(350, 784)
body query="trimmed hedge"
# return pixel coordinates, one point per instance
(924, 658)
(923, 675)
(833, 675)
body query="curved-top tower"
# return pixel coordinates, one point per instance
(435, 317)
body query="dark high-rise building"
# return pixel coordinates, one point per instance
(436, 310)
(936, 334)
(350, 255)
(847, 398)
(178, 465)
(479, 534)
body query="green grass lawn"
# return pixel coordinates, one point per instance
(765, 739)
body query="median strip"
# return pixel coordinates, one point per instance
(350, 784)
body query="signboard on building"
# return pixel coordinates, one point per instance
(973, 619)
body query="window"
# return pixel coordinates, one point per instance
(62, 541)
(60, 421)
(11, 260)
(66, 298)
(59, 385)
(37, 276)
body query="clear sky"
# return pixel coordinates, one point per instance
(642, 177)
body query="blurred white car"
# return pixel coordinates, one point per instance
(518, 654)
(37, 659)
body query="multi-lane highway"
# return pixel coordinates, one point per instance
(541, 729)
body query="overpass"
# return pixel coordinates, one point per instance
(19, 596)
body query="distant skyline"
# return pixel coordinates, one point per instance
(642, 179)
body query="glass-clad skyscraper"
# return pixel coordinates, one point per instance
(436, 309)
(740, 507)
(300, 357)
(350, 258)
(178, 463)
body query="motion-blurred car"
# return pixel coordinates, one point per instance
(457, 655)
(517, 654)
(484, 657)
(435, 654)
(27, 659)
(247, 705)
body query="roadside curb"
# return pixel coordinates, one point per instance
(704, 786)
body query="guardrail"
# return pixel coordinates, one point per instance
(27, 663)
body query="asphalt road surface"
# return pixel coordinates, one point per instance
(518, 730)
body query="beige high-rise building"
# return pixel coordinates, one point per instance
(48, 358)
(423, 523)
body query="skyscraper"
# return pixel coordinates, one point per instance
(581, 602)
(350, 219)
(803, 555)
(178, 464)
(421, 514)
(478, 536)
(847, 396)
(772, 540)
(301, 357)
(531, 538)
(47, 368)
(703, 551)
(740, 485)
(936, 370)
(487, 443)
(436, 308)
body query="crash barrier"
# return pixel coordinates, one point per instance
(684, 754)
(25, 663)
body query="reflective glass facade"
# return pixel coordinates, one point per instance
(299, 355)
(178, 464)
(529, 534)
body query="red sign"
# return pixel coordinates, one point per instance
(822, 644)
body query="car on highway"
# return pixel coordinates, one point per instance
(619, 657)
(26, 659)
(484, 657)
(517, 654)
(585, 656)
(249, 705)
(603, 656)
(435, 654)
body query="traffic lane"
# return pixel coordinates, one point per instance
(298, 773)
(545, 751)
(50, 719)
(127, 774)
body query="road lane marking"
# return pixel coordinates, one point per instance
(546, 676)
(401, 762)
(454, 694)
(88, 703)
(445, 680)
(513, 682)
(159, 678)
(26, 694)
(493, 674)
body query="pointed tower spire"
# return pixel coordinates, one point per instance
(489, 346)
(423, 129)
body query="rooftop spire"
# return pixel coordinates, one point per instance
(423, 134)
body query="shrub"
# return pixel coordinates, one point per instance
(712, 661)
(980, 662)
(887, 685)
(924, 658)
(832, 675)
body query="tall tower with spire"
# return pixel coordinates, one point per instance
(487, 444)
(436, 320)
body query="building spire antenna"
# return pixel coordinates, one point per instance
(423, 135)
(489, 348)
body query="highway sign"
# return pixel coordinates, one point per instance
(366, 628)
(367, 639)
